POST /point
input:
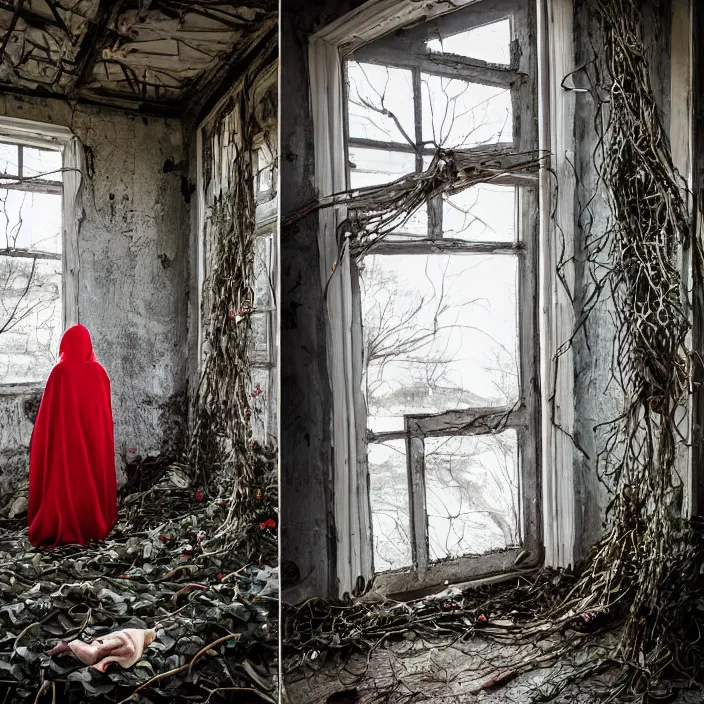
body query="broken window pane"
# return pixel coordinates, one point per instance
(483, 213)
(380, 103)
(472, 494)
(490, 43)
(388, 493)
(43, 163)
(9, 159)
(440, 332)
(30, 221)
(30, 318)
(459, 114)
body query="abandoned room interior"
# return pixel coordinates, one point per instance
(470, 432)
(138, 197)
(491, 325)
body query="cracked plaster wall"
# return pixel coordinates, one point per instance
(133, 283)
(305, 406)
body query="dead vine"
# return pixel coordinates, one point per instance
(222, 449)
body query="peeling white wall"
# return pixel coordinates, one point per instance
(133, 282)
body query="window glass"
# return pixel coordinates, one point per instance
(45, 164)
(440, 333)
(9, 159)
(30, 221)
(380, 103)
(460, 114)
(31, 234)
(483, 213)
(472, 496)
(30, 318)
(375, 167)
(490, 43)
(388, 491)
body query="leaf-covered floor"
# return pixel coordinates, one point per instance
(216, 617)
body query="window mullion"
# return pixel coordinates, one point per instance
(435, 217)
(29, 254)
(48, 187)
(469, 421)
(448, 66)
(418, 118)
(516, 422)
(418, 124)
(415, 447)
(448, 246)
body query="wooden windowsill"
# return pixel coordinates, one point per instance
(28, 389)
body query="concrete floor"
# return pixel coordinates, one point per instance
(454, 674)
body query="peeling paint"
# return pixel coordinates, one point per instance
(133, 251)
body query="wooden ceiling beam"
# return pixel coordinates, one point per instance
(96, 38)
(102, 99)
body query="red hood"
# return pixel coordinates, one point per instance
(76, 345)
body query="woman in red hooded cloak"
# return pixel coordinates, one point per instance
(72, 483)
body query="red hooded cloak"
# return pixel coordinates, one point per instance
(72, 483)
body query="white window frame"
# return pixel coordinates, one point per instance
(47, 136)
(327, 51)
(522, 415)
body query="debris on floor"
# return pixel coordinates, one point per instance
(213, 611)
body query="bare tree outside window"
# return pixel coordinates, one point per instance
(472, 494)
(30, 262)
(441, 332)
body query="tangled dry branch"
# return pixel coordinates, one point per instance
(375, 212)
(649, 548)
